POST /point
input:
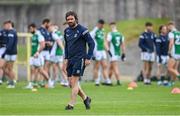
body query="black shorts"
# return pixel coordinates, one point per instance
(75, 67)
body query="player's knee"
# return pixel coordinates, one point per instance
(104, 65)
(70, 83)
(169, 68)
(6, 71)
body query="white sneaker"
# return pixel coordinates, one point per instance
(145, 80)
(66, 84)
(159, 83)
(29, 86)
(10, 86)
(50, 84)
(149, 81)
(97, 81)
(62, 82)
(1, 82)
(108, 81)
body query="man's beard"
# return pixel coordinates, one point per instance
(72, 24)
(46, 26)
(33, 32)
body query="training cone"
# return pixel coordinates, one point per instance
(130, 88)
(132, 84)
(175, 90)
(34, 90)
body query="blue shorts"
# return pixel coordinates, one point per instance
(75, 67)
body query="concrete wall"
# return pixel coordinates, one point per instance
(24, 12)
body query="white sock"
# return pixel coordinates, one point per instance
(97, 81)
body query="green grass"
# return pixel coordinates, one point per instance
(131, 29)
(144, 100)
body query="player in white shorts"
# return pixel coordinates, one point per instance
(174, 51)
(162, 47)
(116, 45)
(10, 53)
(98, 35)
(147, 45)
(3, 36)
(56, 56)
(48, 43)
(36, 60)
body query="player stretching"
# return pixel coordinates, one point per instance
(10, 53)
(162, 46)
(36, 60)
(56, 56)
(174, 51)
(117, 48)
(98, 35)
(147, 44)
(76, 57)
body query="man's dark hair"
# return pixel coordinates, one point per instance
(160, 28)
(33, 25)
(12, 23)
(72, 13)
(101, 21)
(112, 23)
(171, 23)
(148, 24)
(46, 21)
(8, 21)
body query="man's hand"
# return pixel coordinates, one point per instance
(123, 57)
(148, 51)
(65, 66)
(36, 54)
(109, 52)
(160, 60)
(48, 43)
(169, 54)
(87, 62)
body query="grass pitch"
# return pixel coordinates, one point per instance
(115, 100)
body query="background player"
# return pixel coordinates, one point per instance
(10, 53)
(56, 56)
(174, 51)
(117, 48)
(98, 35)
(147, 45)
(3, 36)
(48, 43)
(162, 47)
(36, 60)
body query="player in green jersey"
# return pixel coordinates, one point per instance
(174, 51)
(36, 60)
(116, 45)
(56, 56)
(98, 35)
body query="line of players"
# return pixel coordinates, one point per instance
(165, 49)
(114, 45)
(47, 51)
